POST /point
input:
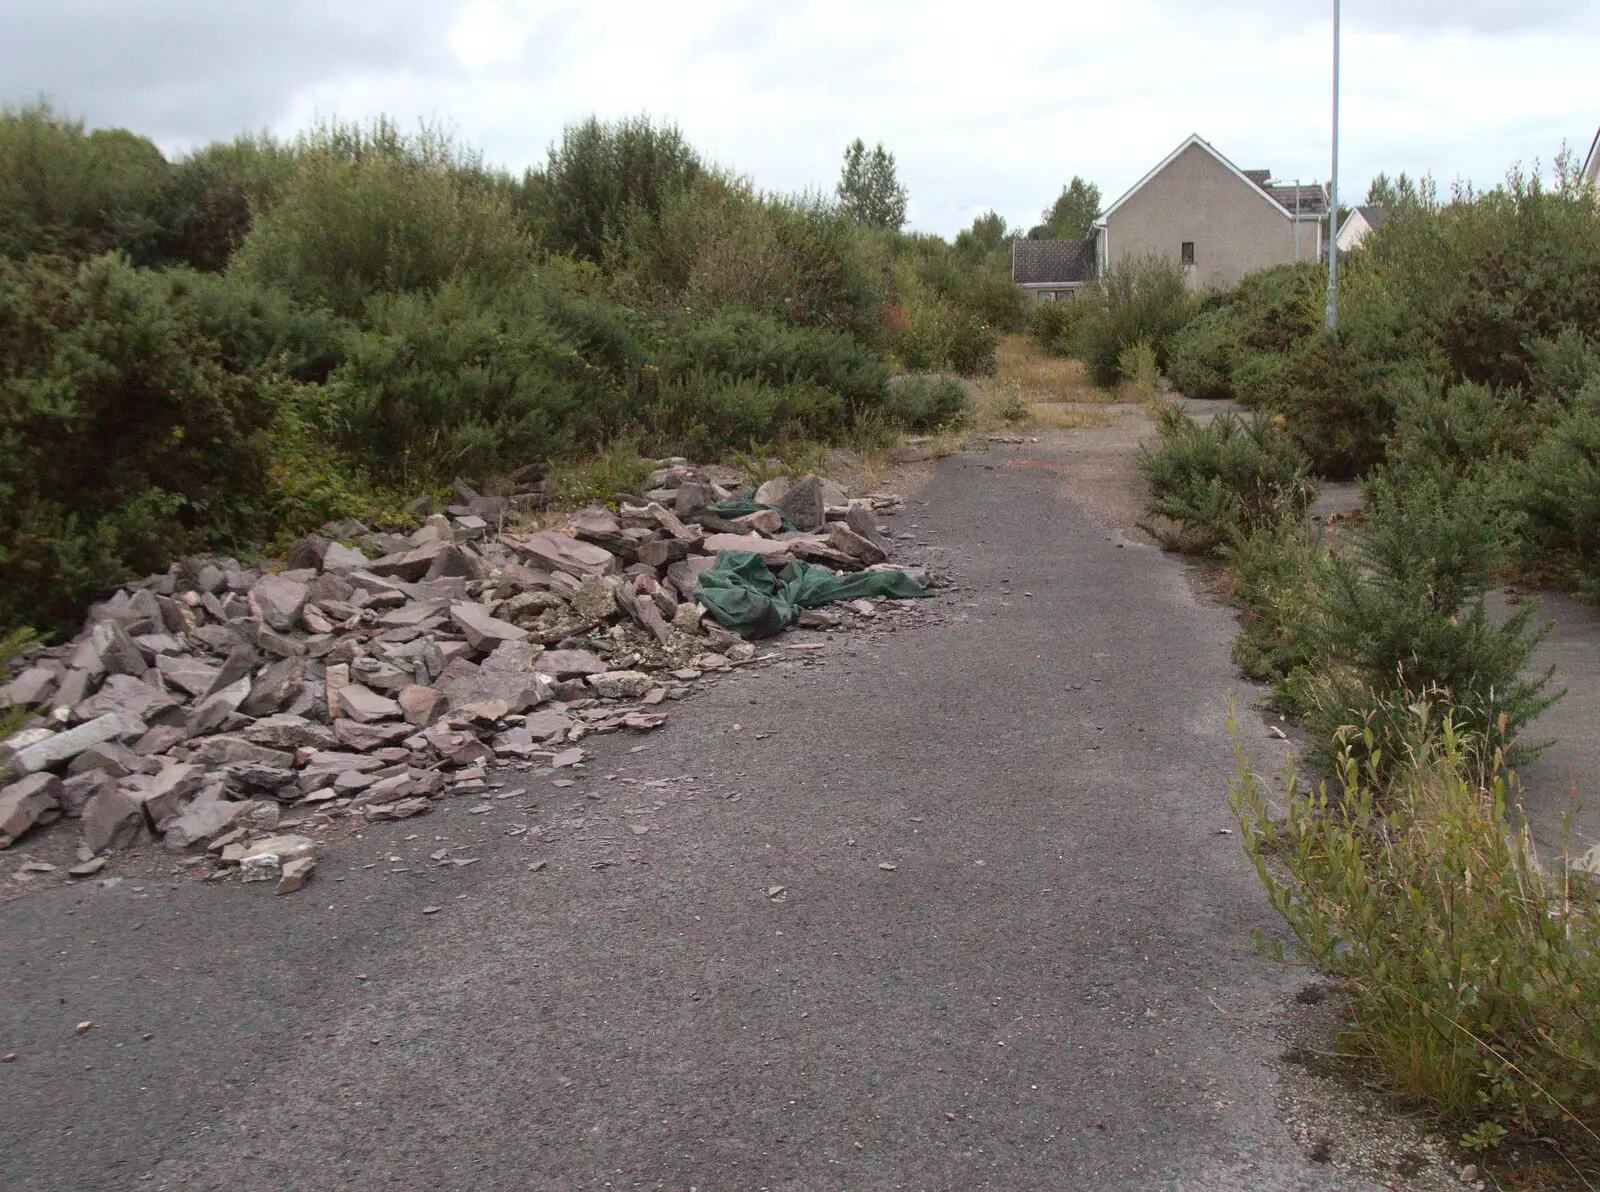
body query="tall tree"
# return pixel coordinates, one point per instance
(868, 188)
(987, 233)
(1072, 215)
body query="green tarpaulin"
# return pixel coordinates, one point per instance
(743, 594)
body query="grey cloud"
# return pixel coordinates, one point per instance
(1419, 16)
(195, 71)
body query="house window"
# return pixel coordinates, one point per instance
(1188, 252)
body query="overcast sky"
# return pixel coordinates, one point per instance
(984, 104)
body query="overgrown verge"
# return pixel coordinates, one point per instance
(1469, 971)
(231, 348)
(1463, 389)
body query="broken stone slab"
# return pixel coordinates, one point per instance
(408, 565)
(32, 687)
(414, 613)
(335, 679)
(273, 687)
(159, 739)
(404, 809)
(685, 576)
(113, 819)
(773, 491)
(294, 874)
(127, 696)
(112, 758)
(566, 664)
(620, 684)
(814, 551)
(213, 711)
(62, 747)
(421, 705)
(202, 821)
(360, 703)
(188, 674)
(25, 803)
(278, 601)
(458, 561)
(548, 726)
(355, 735)
(777, 554)
(559, 553)
(762, 521)
(288, 731)
(80, 788)
(842, 538)
(804, 504)
(339, 558)
(464, 684)
(226, 750)
(483, 631)
(168, 790)
(859, 517)
(265, 859)
(692, 496)
(513, 656)
(663, 552)
(688, 616)
(240, 664)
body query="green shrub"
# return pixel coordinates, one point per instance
(1137, 366)
(744, 345)
(937, 334)
(1054, 325)
(474, 383)
(1204, 355)
(1469, 972)
(76, 193)
(124, 437)
(1214, 483)
(1278, 571)
(1557, 489)
(1139, 299)
(927, 402)
(601, 176)
(371, 211)
(702, 415)
(1336, 403)
(1402, 617)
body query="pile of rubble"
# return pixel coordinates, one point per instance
(371, 679)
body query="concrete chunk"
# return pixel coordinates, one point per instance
(63, 747)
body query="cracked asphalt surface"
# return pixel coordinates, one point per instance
(1048, 990)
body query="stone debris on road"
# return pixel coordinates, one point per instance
(365, 681)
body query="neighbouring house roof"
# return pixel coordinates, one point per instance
(1051, 262)
(1373, 215)
(1256, 180)
(1313, 200)
(1591, 164)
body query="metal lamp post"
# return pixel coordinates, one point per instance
(1333, 188)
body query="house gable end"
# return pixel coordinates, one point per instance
(1196, 141)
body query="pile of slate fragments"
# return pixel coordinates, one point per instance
(369, 680)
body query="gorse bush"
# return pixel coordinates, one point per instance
(1469, 972)
(927, 403)
(1214, 483)
(1054, 325)
(1142, 299)
(124, 436)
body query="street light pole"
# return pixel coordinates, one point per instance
(1333, 188)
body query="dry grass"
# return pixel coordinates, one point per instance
(1068, 417)
(1042, 377)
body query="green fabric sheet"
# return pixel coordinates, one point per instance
(742, 594)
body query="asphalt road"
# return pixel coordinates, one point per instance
(1049, 989)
